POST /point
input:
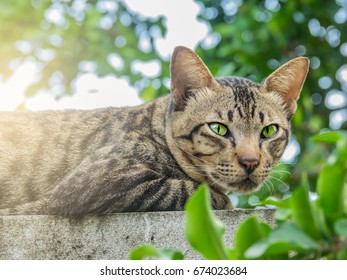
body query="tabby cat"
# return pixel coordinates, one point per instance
(228, 132)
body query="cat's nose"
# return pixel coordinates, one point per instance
(249, 164)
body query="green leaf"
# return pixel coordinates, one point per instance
(148, 251)
(320, 218)
(249, 232)
(340, 227)
(302, 212)
(203, 231)
(330, 187)
(342, 254)
(286, 237)
(143, 251)
(283, 203)
(342, 152)
(232, 254)
(170, 254)
(283, 214)
(330, 137)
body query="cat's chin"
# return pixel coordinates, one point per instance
(247, 185)
(244, 186)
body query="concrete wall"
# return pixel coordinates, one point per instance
(104, 237)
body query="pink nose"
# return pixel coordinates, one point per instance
(249, 164)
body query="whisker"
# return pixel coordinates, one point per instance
(275, 171)
(269, 185)
(279, 180)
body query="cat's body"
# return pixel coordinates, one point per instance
(97, 160)
(151, 157)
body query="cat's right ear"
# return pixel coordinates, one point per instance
(188, 72)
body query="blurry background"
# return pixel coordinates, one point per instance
(57, 54)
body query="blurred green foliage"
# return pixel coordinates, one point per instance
(246, 38)
(60, 35)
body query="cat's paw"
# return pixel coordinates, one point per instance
(221, 202)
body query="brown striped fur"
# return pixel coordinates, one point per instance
(151, 157)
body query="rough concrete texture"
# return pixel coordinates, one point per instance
(104, 237)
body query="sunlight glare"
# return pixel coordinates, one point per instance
(12, 90)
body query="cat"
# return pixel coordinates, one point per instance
(227, 132)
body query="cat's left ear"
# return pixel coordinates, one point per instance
(287, 81)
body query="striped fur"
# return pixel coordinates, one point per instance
(146, 158)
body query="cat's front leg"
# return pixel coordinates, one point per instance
(31, 208)
(105, 187)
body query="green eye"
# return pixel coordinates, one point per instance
(269, 131)
(218, 128)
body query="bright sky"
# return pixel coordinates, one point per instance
(183, 29)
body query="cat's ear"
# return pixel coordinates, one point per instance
(287, 81)
(188, 72)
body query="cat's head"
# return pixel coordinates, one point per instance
(230, 132)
